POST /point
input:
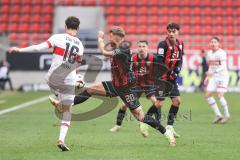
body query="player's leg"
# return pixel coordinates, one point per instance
(64, 126)
(172, 114)
(221, 89)
(175, 97)
(94, 89)
(120, 117)
(132, 102)
(139, 115)
(155, 109)
(211, 87)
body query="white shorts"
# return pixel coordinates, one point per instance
(65, 93)
(218, 84)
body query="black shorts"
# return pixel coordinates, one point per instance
(129, 97)
(148, 90)
(174, 92)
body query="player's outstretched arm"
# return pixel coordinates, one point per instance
(32, 48)
(101, 44)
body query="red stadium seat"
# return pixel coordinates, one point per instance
(229, 3)
(24, 28)
(47, 9)
(109, 10)
(36, 9)
(163, 11)
(143, 3)
(218, 20)
(121, 10)
(195, 3)
(207, 20)
(153, 11)
(153, 29)
(111, 19)
(142, 10)
(36, 18)
(12, 37)
(207, 29)
(13, 27)
(47, 18)
(229, 30)
(217, 3)
(132, 10)
(196, 29)
(121, 19)
(5, 9)
(16, 1)
(196, 11)
(185, 11)
(46, 28)
(122, 2)
(175, 11)
(154, 2)
(26, 9)
(142, 19)
(164, 20)
(5, 2)
(3, 27)
(218, 11)
(218, 29)
(185, 20)
(206, 3)
(15, 9)
(35, 28)
(237, 11)
(14, 18)
(207, 11)
(174, 19)
(229, 20)
(132, 19)
(132, 2)
(25, 18)
(131, 29)
(153, 20)
(186, 2)
(228, 11)
(4, 18)
(196, 20)
(142, 29)
(186, 30)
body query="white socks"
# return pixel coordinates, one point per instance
(224, 105)
(213, 104)
(65, 124)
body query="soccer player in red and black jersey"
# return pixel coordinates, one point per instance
(142, 64)
(170, 52)
(123, 80)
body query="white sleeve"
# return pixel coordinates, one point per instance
(37, 47)
(52, 41)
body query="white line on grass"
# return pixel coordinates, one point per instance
(27, 104)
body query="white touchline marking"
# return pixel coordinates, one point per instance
(27, 104)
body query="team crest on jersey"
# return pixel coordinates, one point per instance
(160, 51)
(180, 46)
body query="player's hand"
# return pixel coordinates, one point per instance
(100, 35)
(13, 49)
(205, 82)
(209, 74)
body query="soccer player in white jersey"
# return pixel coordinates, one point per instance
(61, 77)
(217, 80)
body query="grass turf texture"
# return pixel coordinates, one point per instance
(31, 133)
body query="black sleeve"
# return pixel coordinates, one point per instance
(161, 51)
(178, 66)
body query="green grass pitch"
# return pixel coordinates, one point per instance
(31, 133)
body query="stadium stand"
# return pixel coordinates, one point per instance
(141, 18)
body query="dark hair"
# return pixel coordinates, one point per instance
(173, 25)
(116, 30)
(72, 22)
(216, 38)
(143, 41)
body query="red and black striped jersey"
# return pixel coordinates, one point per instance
(172, 56)
(120, 67)
(143, 69)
